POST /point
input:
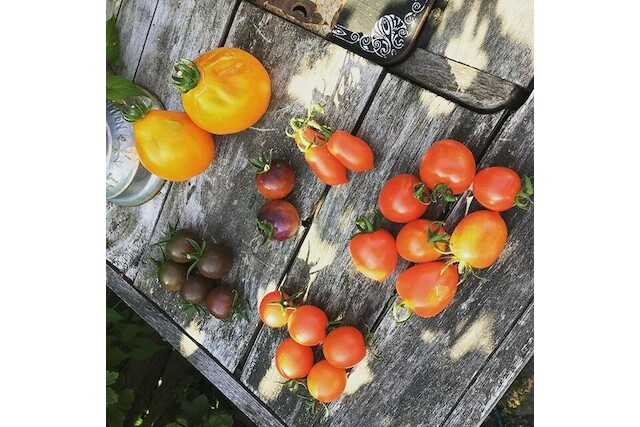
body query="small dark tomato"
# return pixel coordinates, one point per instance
(274, 178)
(178, 246)
(172, 275)
(220, 301)
(215, 261)
(278, 220)
(196, 288)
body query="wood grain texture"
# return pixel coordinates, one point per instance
(133, 23)
(460, 83)
(112, 7)
(496, 376)
(192, 351)
(430, 363)
(402, 122)
(222, 203)
(492, 36)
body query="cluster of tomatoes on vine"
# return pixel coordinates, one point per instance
(192, 268)
(447, 170)
(343, 347)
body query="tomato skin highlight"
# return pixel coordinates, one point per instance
(293, 360)
(448, 162)
(307, 325)
(171, 146)
(355, 154)
(272, 315)
(496, 188)
(232, 94)
(479, 238)
(344, 347)
(412, 242)
(426, 288)
(326, 382)
(277, 182)
(397, 202)
(374, 254)
(325, 166)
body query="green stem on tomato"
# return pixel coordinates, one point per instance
(185, 75)
(523, 199)
(420, 192)
(267, 230)
(134, 108)
(442, 191)
(399, 305)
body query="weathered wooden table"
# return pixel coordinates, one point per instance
(445, 371)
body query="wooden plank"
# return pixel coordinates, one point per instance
(492, 36)
(460, 83)
(496, 376)
(192, 351)
(430, 363)
(222, 203)
(133, 23)
(112, 7)
(402, 122)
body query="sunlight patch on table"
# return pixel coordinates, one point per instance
(464, 75)
(270, 387)
(359, 376)
(323, 74)
(516, 20)
(467, 47)
(187, 346)
(428, 336)
(478, 336)
(262, 291)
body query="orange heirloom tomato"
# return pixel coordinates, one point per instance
(293, 360)
(224, 90)
(373, 252)
(413, 241)
(478, 239)
(307, 325)
(275, 309)
(448, 162)
(171, 146)
(351, 151)
(426, 289)
(344, 347)
(326, 382)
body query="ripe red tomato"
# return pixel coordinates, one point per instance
(293, 360)
(326, 382)
(426, 289)
(307, 325)
(478, 239)
(274, 178)
(498, 188)
(224, 90)
(414, 241)
(373, 252)
(325, 166)
(402, 198)
(171, 146)
(344, 347)
(448, 162)
(275, 309)
(278, 220)
(351, 151)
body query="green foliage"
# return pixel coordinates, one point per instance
(118, 87)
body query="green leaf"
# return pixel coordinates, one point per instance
(119, 88)
(113, 44)
(112, 377)
(125, 399)
(115, 417)
(129, 332)
(112, 397)
(138, 422)
(218, 418)
(113, 316)
(144, 349)
(115, 355)
(196, 409)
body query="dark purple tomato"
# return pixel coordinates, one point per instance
(278, 220)
(276, 181)
(178, 246)
(196, 288)
(215, 262)
(172, 275)
(220, 301)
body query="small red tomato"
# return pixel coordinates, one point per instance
(325, 166)
(307, 325)
(403, 198)
(344, 347)
(373, 252)
(351, 151)
(415, 241)
(275, 309)
(478, 239)
(426, 288)
(293, 360)
(448, 162)
(278, 220)
(326, 382)
(274, 178)
(499, 188)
